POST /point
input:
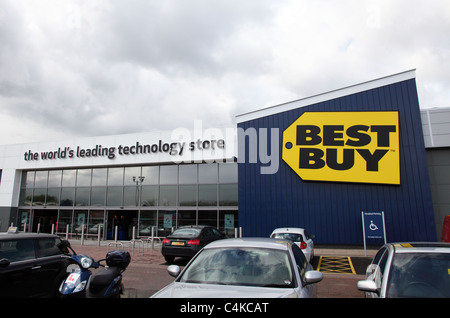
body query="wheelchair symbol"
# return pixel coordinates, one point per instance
(372, 226)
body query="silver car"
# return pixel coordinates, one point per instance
(245, 267)
(409, 270)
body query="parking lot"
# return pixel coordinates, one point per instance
(147, 272)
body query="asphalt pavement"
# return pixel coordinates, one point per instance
(147, 272)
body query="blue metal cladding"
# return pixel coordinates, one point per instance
(332, 211)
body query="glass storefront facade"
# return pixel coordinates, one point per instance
(143, 198)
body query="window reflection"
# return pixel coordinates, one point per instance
(186, 189)
(99, 177)
(54, 178)
(187, 195)
(149, 195)
(168, 195)
(115, 176)
(207, 195)
(69, 177)
(168, 174)
(40, 180)
(84, 178)
(188, 174)
(207, 173)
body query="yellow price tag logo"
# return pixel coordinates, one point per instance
(344, 147)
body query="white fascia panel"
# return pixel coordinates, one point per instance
(272, 110)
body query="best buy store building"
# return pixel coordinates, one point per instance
(316, 163)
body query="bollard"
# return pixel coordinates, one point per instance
(99, 233)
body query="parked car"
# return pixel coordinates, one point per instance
(32, 265)
(245, 267)
(188, 240)
(299, 236)
(409, 270)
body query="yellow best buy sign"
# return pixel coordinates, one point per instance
(344, 147)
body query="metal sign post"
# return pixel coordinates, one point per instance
(374, 228)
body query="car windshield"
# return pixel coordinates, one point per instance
(294, 237)
(185, 232)
(420, 275)
(241, 266)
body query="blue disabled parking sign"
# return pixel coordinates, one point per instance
(373, 226)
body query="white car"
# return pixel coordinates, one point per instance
(409, 270)
(244, 268)
(299, 236)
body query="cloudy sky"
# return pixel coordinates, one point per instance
(96, 67)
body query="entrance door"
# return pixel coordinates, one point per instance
(43, 220)
(124, 220)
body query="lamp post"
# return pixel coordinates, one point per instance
(138, 180)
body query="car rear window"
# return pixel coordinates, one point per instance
(186, 232)
(294, 237)
(17, 250)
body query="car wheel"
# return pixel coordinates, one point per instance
(169, 259)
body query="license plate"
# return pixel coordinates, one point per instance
(178, 243)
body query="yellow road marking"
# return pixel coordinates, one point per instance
(336, 264)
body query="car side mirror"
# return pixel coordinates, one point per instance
(66, 243)
(4, 262)
(312, 277)
(367, 286)
(174, 270)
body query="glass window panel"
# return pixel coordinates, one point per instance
(208, 217)
(187, 218)
(41, 179)
(168, 196)
(168, 174)
(67, 196)
(207, 173)
(130, 196)
(187, 195)
(115, 176)
(228, 194)
(28, 179)
(84, 178)
(39, 196)
(207, 195)
(151, 174)
(65, 218)
(114, 196)
(187, 174)
(98, 196)
(95, 222)
(54, 178)
(82, 197)
(228, 173)
(228, 221)
(99, 177)
(149, 195)
(69, 177)
(79, 220)
(26, 195)
(166, 221)
(131, 172)
(53, 196)
(24, 218)
(147, 221)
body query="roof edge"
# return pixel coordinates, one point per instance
(314, 99)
